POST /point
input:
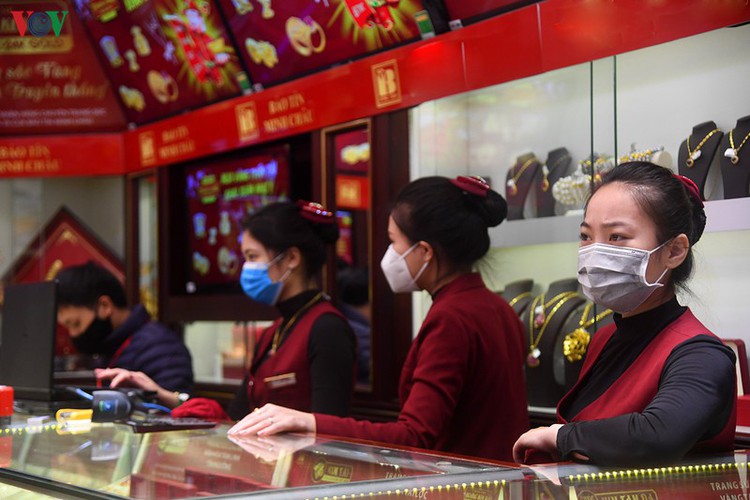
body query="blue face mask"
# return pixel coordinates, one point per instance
(257, 284)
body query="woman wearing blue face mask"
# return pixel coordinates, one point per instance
(305, 360)
(657, 384)
(462, 385)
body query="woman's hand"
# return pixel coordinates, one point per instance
(542, 439)
(272, 419)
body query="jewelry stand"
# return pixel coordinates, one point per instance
(541, 387)
(567, 371)
(518, 295)
(557, 166)
(518, 183)
(703, 147)
(736, 174)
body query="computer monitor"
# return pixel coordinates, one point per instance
(27, 340)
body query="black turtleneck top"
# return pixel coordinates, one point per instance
(694, 400)
(331, 353)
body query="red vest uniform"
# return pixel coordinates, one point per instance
(638, 385)
(284, 378)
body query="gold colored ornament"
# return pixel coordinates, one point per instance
(512, 182)
(518, 297)
(539, 319)
(576, 342)
(694, 154)
(733, 152)
(280, 333)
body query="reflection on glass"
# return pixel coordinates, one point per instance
(147, 251)
(350, 156)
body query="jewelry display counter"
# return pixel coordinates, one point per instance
(110, 461)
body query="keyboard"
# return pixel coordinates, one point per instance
(153, 423)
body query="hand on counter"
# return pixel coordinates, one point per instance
(272, 419)
(541, 439)
(119, 377)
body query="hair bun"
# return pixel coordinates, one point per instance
(481, 199)
(323, 221)
(696, 205)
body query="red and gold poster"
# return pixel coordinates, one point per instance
(50, 78)
(163, 56)
(280, 40)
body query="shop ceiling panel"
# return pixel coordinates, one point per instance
(163, 56)
(50, 79)
(282, 40)
(472, 9)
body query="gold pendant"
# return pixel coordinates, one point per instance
(575, 344)
(689, 162)
(735, 160)
(512, 188)
(545, 185)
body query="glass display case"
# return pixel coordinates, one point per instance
(542, 142)
(112, 461)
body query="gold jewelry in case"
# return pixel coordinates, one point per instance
(539, 319)
(694, 154)
(733, 152)
(280, 333)
(513, 188)
(518, 297)
(577, 341)
(546, 170)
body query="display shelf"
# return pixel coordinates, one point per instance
(722, 215)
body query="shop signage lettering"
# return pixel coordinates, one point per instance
(287, 112)
(39, 24)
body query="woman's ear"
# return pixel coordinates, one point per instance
(429, 252)
(293, 258)
(678, 251)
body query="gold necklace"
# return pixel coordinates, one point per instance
(280, 333)
(733, 153)
(532, 359)
(577, 341)
(512, 186)
(694, 154)
(546, 171)
(517, 298)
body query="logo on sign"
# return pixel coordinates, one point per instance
(386, 83)
(39, 24)
(247, 122)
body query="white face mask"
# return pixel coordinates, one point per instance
(397, 271)
(615, 277)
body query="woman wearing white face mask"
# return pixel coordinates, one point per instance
(462, 386)
(657, 384)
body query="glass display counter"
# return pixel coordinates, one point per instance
(111, 461)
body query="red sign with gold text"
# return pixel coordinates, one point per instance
(163, 56)
(281, 40)
(50, 78)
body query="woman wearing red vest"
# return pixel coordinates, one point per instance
(462, 386)
(306, 359)
(657, 384)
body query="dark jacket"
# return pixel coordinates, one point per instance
(141, 344)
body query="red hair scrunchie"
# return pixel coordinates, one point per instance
(472, 184)
(691, 188)
(315, 212)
